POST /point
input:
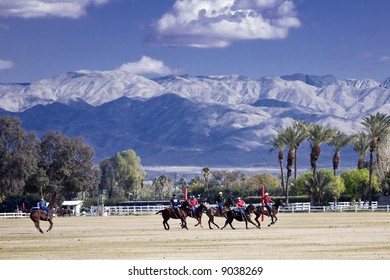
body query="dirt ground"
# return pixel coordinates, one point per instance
(306, 236)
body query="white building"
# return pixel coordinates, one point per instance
(74, 206)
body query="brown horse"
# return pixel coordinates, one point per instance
(198, 213)
(37, 215)
(214, 212)
(235, 214)
(168, 213)
(275, 210)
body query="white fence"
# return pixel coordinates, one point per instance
(339, 207)
(152, 209)
(125, 210)
(14, 215)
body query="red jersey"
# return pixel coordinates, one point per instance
(240, 203)
(267, 199)
(194, 201)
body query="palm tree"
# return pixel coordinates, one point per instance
(301, 130)
(288, 136)
(318, 135)
(206, 175)
(277, 142)
(292, 138)
(361, 145)
(338, 142)
(377, 126)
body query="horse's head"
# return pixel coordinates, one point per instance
(250, 208)
(185, 204)
(203, 207)
(228, 202)
(280, 203)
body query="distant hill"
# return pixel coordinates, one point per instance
(192, 120)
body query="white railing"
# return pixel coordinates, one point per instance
(339, 207)
(14, 215)
(125, 210)
(152, 209)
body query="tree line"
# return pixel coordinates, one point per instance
(54, 163)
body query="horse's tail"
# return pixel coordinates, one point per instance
(159, 212)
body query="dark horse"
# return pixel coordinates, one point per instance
(198, 213)
(168, 213)
(37, 215)
(235, 214)
(262, 210)
(214, 212)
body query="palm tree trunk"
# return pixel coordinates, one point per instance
(336, 162)
(370, 180)
(314, 156)
(281, 168)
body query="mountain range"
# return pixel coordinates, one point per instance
(192, 120)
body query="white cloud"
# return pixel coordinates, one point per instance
(6, 64)
(384, 58)
(218, 23)
(147, 65)
(46, 8)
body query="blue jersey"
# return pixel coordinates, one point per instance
(175, 202)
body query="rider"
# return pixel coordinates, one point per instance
(240, 203)
(194, 203)
(175, 203)
(267, 203)
(42, 206)
(220, 202)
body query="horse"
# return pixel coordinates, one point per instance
(262, 210)
(236, 214)
(37, 215)
(214, 212)
(65, 212)
(198, 213)
(168, 213)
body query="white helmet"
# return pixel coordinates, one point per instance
(266, 193)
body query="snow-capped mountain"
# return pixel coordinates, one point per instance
(187, 120)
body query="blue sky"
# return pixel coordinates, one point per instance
(346, 38)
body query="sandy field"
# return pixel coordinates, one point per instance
(306, 236)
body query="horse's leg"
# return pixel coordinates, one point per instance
(37, 226)
(250, 220)
(257, 221)
(184, 223)
(212, 220)
(51, 225)
(165, 223)
(228, 221)
(272, 220)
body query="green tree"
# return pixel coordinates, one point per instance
(128, 172)
(361, 145)
(292, 137)
(377, 125)
(324, 188)
(18, 156)
(277, 143)
(206, 175)
(317, 135)
(108, 180)
(67, 164)
(338, 142)
(357, 183)
(270, 182)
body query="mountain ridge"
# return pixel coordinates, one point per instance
(190, 120)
